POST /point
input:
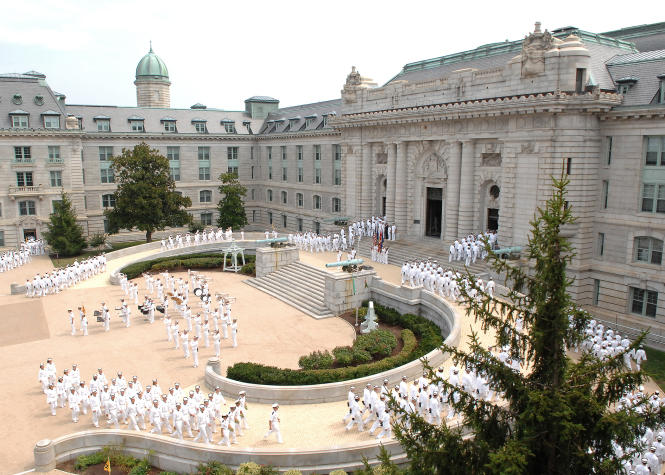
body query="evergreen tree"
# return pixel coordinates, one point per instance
(145, 198)
(64, 235)
(231, 207)
(560, 416)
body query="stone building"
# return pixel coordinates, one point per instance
(449, 146)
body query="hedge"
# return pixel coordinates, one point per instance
(429, 338)
(189, 261)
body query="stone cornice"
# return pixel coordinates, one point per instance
(41, 133)
(292, 135)
(645, 112)
(550, 102)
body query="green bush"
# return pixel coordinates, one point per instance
(126, 463)
(141, 468)
(293, 472)
(378, 343)
(362, 312)
(361, 356)
(97, 240)
(252, 468)
(316, 360)
(213, 468)
(188, 261)
(196, 226)
(171, 473)
(249, 269)
(343, 355)
(338, 472)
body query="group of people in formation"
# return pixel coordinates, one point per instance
(444, 282)
(17, 257)
(126, 402)
(312, 242)
(606, 343)
(194, 239)
(212, 323)
(64, 277)
(372, 226)
(472, 247)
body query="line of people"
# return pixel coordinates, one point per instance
(15, 258)
(62, 278)
(472, 247)
(444, 282)
(202, 237)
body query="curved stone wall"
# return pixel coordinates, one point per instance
(183, 456)
(406, 300)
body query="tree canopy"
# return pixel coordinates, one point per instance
(64, 235)
(145, 198)
(231, 207)
(558, 416)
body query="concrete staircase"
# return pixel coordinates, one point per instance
(409, 250)
(299, 285)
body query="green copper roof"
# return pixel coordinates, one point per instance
(152, 65)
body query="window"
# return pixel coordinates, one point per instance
(136, 125)
(204, 173)
(608, 141)
(285, 197)
(299, 152)
(173, 153)
(317, 227)
(299, 224)
(579, 80)
(253, 216)
(317, 152)
(54, 154)
(285, 175)
(200, 127)
(251, 169)
(309, 122)
(205, 196)
(108, 201)
(24, 179)
(26, 208)
(233, 170)
(230, 127)
(643, 302)
(569, 165)
(283, 149)
(2, 238)
(317, 176)
(269, 172)
(316, 202)
(338, 176)
(301, 174)
(251, 152)
(232, 153)
(336, 205)
(56, 177)
(204, 153)
(655, 152)
(174, 170)
(269, 217)
(299, 200)
(653, 198)
(106, 175)
(269, 195)
(596, 291)
(606, 190)
(252, 194)
(661, 92)
(105, 153)
(269, 153)
(206, 219)
(22, 155)
(284, 220)
(103, 125)
(649, 250)
(20, 121)
(338, 152)
(204, 162)
(51, 121)
(601, 244)
(169, 126)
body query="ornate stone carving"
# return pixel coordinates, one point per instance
(533, 52)
(529, 147)
(381, 158)
(491, 159)
(354, 82)
(433, 166)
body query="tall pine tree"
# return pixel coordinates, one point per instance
(557, 417)
(64, 235)
(231, 207)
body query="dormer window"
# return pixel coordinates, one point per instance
(200, 126)
(293, 121)
(19, 119)
(103, 123)
(624, 84)
(309, 121)
(169, 124)
(229, 126)
(278, 124)
(51, 120)
(661, 95)
(136, 124)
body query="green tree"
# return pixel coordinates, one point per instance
(231, 207)
(145, 198)
(560, 416)
(64, 235)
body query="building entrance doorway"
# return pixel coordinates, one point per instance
(433, 212)
(492, 219)
(383, 206)
(29, 233)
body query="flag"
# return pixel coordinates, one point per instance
(107, 465)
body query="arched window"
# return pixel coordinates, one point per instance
(648, 250)
(316, 202)
(205, 196)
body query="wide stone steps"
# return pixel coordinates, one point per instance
(407, 250)
(299, 285)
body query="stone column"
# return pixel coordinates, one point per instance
(465, 220)
(452, 192)
(367, 181)
(350, 174)
(400, 187)
(390, 184)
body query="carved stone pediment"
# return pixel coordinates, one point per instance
(534, 47)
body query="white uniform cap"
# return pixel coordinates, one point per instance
(275, 405)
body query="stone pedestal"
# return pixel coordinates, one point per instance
(44, 456)
(346, 291)
(270, 259)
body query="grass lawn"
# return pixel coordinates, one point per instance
(65, 261)
(655, 365)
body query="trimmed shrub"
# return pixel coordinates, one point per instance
(343, 355)
(213, 468)
(252, 468)
(378, 343)
(188, 261)
(361, 356)
(293, 472)
(338, 472)
(316, 360)
(249, 269)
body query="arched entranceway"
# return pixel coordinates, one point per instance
(491, 198)
(380, 203)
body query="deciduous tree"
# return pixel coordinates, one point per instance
(231, 207)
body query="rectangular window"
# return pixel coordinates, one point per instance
(609, 141)
(106, 175)
(648, 250)
(269, 172)
(103, 125)
(338, 152)
(643, 302)
(232, 153)
(336, 205)
(24, 179)
(653, 198)
(206, 219)
(284, 197)
(251, 169)
(606, 192)
(230, 127)
(233, 170)
(204, 173)
(317, 176)
(54, 154)
(200, 127)
(596, 291)
(338, 176)
(269, 195)
(2, 238)
(252, 194)
(173, 153)
(579, 80)
(317, 152)
(169, 126)
(20, 121)
(269, 153)
(251, 152)
(569, 165)
(105, 153)
(299, 152)
(299, 200)
(283, 220)
(22, 155)
(285, 175)
(300, 224)
(51, 121)
(56, 177)
(204, 153)
(26, 208)
(136, 125)
(253, 216)
(283, 149)
(316, 202)
(317, 227)
(301, 174)
(174, 170)
(108, 201)
(601, 244)
(269, 217)
(655, 151)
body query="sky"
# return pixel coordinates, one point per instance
(221, 52)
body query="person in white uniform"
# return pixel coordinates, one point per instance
(273, 424)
